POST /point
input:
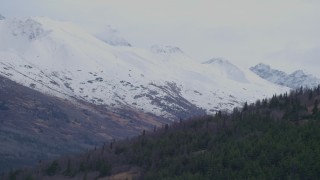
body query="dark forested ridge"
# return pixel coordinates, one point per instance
(35, 126)
(275, 138)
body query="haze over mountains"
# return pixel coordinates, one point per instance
(100, 87)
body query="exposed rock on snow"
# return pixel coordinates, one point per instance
(165, 49)
(294, 80)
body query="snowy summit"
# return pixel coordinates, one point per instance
(294, 80)
(63, 60)
(227, 69)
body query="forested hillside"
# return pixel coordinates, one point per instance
(35, 126)
(275, 138)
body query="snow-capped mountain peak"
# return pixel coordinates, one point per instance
(65, 61)
(227, 69)
(28, 28)
(266, 72)
(294, 80)
(262, 66)
(298, 73)
(217, 61)
(112, 37)
(161, 49)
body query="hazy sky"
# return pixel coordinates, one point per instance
(282, 33)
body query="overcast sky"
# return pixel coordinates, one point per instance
(282, 33)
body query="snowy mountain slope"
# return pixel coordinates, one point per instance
(61, 59)
(35, 126)
(294, 80)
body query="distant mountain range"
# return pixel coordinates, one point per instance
(294, 80)
(89, 88)
(63, 60)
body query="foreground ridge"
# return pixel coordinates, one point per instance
(271, 138)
